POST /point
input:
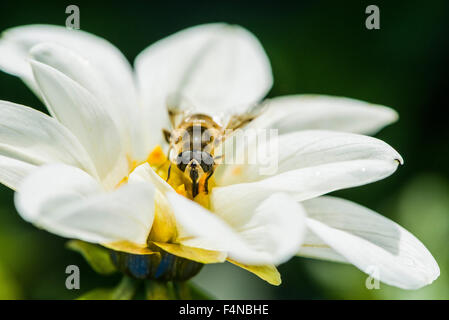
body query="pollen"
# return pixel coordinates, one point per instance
(157, 157)
(161, 164)
(202, 184)
(203, 199)
(182, 190)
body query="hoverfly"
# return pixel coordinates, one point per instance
(193, 141)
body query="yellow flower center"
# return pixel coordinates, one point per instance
(164, 225)
(160, 164)
(163, 234)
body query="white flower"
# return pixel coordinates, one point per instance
(93, 170)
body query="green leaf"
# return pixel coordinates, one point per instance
(97, 256)
(125, 290)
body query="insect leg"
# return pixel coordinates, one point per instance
(206, 182)
(168, 173)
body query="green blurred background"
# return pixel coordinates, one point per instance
(314, 47)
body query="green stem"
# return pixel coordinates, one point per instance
(125, 289)
(159, 290)
(182, 290)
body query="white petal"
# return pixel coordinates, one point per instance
(304, 112)
(198, 227)
(82, 71)
(107, 60)
(329, 162)
(276, 225)
(371, 242)
(302, 184)
(13, 171)
(33, 137)
(68, 202)
(301, 149)
(145, 173)
(78, 110)
(216, 67)
(146, 131)
(263, 236)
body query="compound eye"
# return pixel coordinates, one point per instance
(208, 136)
(183, 159)
(207, 161)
